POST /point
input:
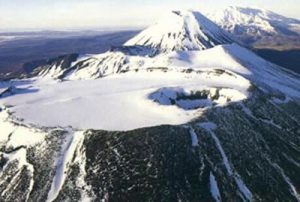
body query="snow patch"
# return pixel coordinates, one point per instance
(241, 185)
(287, 180)
(224, 157)
(25, 136)
(208, 125)
(243, 188)
(194, 137)
(214, 190)
(19, 156)
(281, 101)
(15, 134)
(6, 127)
(63, 162)
(193, 98)
(80, 159)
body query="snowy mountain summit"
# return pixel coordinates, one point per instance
(181, 30)
(179, 113)
(257, 24)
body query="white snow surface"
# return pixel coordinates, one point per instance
(99, 65)
(209, 126)
(194, 137)
(18, 158)
(181, 30)
(120, 101)
(183, 97)
(232, 58)
(287, 180)
(15, 134)
(242, 62)
(116, 102)
(214, 190)
(252, 21)
(223, 154)
(243, 188)
(63, 162)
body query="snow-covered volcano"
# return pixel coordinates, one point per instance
(128, 125)
(258, 25)
(181, 30)
(254, 21)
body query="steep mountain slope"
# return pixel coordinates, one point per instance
(181, 30)
(260, 27)
(220, 124)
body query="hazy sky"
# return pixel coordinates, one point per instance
(60, 14)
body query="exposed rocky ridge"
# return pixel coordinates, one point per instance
(55, 67)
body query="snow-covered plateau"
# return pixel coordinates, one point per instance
(118, 102)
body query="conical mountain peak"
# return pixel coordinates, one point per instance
(181, 30)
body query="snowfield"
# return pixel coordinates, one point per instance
(253, 21)
(118, 102)
(171, 88)
(17, 135)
